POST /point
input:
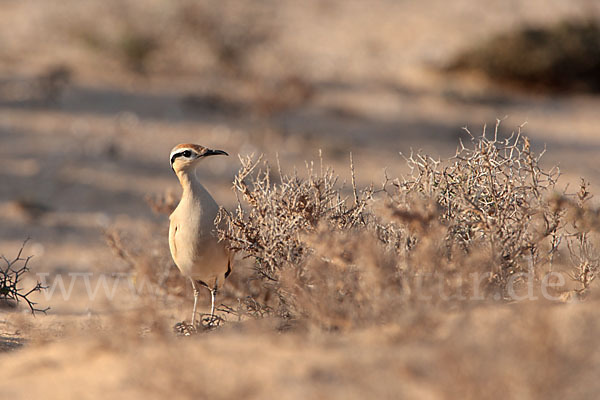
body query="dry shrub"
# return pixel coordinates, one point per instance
(270, 229)
(493, 197)
(485, 224)
(162, 204)
(11, 277)
(563, 56)
(350, 279)
(149, 262)
(583, 242)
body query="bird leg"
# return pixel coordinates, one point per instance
(196, 292)
(213, 293)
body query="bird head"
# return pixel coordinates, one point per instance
(187, 155)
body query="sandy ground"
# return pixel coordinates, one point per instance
(73, 167)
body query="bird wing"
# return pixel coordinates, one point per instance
(172, 245)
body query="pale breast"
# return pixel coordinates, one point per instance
(193, 244)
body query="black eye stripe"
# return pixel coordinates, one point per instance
(185, 153)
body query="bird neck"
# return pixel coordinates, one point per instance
(190, 184)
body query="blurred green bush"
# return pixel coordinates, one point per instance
(560, 57)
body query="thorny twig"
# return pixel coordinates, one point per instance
(10, 279)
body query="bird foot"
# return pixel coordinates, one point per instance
(184, 329)
(206, 323)
(209, 322)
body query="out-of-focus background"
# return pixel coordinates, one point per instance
(94, 94)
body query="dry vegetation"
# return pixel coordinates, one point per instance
(487, 223)
(11, 281)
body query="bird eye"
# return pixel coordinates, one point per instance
(187, 153)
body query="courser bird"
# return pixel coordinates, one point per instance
(192, 239)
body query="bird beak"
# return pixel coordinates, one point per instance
(214, 153)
